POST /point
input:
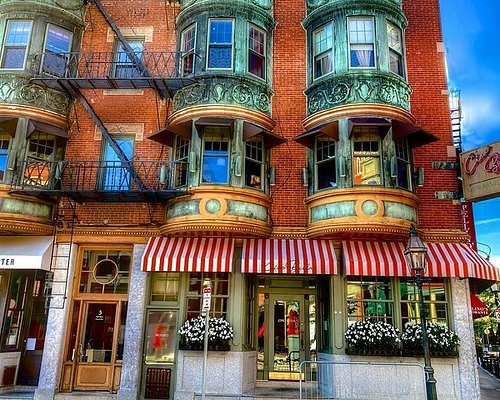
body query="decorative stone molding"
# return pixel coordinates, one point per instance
(114, 128)
(265, 4)
(221, 209)
(145, 32)
(362, 210)
(225, 90)
(358, 87)
(17, 90)
(316, 4)
(73, 10)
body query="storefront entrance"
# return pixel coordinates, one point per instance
(286, 334)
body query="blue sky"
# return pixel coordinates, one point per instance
(470, 29)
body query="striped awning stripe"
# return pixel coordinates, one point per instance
(288, 256)
(172, 254)
(443, 260)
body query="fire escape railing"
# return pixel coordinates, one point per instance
(101, 181)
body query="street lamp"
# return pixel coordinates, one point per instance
(415, 258)
(495, 289)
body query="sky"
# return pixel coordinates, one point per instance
(472, 45)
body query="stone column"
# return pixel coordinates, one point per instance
(130, 381)
(462, 321)
(57, 322)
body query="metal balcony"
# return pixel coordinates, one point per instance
(109, 70)
(103, 181)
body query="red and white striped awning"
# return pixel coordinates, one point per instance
(443, 260)
(288, 256)
(171, 254)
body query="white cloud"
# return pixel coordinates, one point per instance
(487, 221)
(495, 260)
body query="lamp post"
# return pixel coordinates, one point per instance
(415, 254)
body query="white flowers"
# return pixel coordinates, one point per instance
(439, 337)
(193, 330)
(372, 335)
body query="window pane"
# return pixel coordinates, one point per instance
(323, 51)
(325, 163)
(58, 40)
(361, 40)
(220, 294)
(394, 37)
(105, 271)
(187, 48)
(435, 301)
(14, 57)
(221, 44)
(216, 155)
(253, 162)
(366, 156)
(161, 336)
(16, 42)
(4, 155)
(115, 174)
(124, 66)
(370, 298)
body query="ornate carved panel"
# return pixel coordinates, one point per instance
(265, 4)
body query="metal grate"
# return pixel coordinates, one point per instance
(158, 383)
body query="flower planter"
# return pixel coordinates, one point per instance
(198, 346)
(433, 353)
(373, 352)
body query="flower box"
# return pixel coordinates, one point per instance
(353, 351)
(192, 334)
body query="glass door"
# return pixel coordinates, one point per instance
(290, 337)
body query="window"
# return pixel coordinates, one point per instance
(370, 298)
(57, 43)
(323, 51)
(216, 155)
(254, 156)
(220, 44)
(361, 42)
(395, 42)
(105, 271)
(16, 43)
(165, 287)
(14, 313)
(256, 52)
(326, 174)
(366, 156)
(115, 174)
(187, 50)
(180, 168)
(435, 301)
(220, 294)
(403, 174)
(124, 66)
(4, 154)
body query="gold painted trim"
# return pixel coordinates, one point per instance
(452, 235)
(222, 111)
(10, 225)
(5, 189)
(358, 110)
(207, 228)
(22, 111)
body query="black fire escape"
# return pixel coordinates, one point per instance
(100, 181)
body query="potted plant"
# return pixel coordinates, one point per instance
(372, 338)
(443, 342)
(192, 333)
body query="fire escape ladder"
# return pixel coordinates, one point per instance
(75, 92)
(456, 118)
(128, 49)
(57, 281)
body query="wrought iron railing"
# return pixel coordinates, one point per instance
(101, 176)
(105, 65)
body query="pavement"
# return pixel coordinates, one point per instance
(490, 385)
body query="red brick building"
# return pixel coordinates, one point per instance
(276, 150)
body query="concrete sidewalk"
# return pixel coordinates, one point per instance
(490, 385)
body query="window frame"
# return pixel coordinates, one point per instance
(225, 136)
(249, 159)
(220, 45)
(401, 145)
(251, 52)
(329, 51)
(4, 154)
(125, 180)
(127, 63)
(180, 157)
(392, 51)
(359, 154)
(54, 53)
(25, 46)
(329, 159)
(191, 53)
(217, 280)
(372, 43)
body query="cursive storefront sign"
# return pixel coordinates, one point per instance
(481, 172)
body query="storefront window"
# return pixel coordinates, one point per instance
(435, 301)
(165, 287)
(105, 271)
(370, 298)
(366, 156)
(161, 336)
(220, 294)
(16, 302)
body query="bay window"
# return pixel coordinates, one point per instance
(16, 42)
(326, 174)
(361, 42)
(220, 44)
(187, 51)
(323, 50)
(256, 51)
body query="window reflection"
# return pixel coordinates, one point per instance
(371, 299)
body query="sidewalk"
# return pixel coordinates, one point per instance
(490, 385)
